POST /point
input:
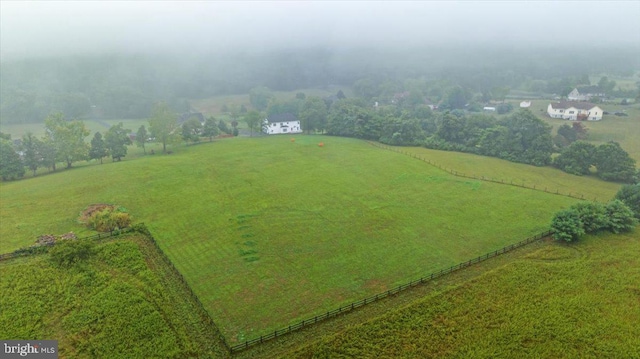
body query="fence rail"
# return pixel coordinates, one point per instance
(38, 248)
(481, 177)
(306, 322)
(349, 307)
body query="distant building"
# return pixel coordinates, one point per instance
(575, 111)
(489, 109)
(585, 94)
(281, 123)
(525, 104)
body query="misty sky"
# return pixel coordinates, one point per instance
(54, 28)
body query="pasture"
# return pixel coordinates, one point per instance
(546, 300)
(122, 302)
(268, 231)
(622, 129)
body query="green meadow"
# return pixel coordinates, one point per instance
(546, 300)
(122, 302)
(622, 129)
(268, 231)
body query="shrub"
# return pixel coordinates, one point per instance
(620, 217)
(105, 218)
(593, 216)
(630, 195)
(567, 225)
(67, 253)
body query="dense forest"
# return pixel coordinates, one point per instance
(127, 86)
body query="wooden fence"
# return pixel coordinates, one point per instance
(481, 177)
(34, 249)
(349, 307)
(304, 323)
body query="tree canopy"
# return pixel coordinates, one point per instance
(67, 138)
(117, 139)
(163, 124)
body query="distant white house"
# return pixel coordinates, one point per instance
(575, 95)
(586, 93)
(489, 109)
(525, 104)
(281, 123)
(575, 111)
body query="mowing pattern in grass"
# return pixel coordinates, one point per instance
(268, 231)
(123, 303)
(546, 179)
(559, 301)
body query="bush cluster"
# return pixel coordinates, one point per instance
(70, 252)
(105, 217)
(591, 217)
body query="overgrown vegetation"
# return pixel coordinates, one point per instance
(122, 302)
(105, 217)
(551, 300)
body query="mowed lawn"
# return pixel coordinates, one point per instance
(496, 169)
(622, 129)
(548, 300)
(268, 231)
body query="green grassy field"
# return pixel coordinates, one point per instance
(269, 231)
(497, 169)
(547, 300)
(622, 129)
(124, 302)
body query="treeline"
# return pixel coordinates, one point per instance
(65, 141)
(128, 86)
(518, 137)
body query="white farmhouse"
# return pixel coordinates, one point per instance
(575, 111)
(575, 95)
(281, 123)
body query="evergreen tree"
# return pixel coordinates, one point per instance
(98, 147)
(141, 138)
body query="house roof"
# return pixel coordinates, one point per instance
(282, 117)
(590, 90)
(578, 105)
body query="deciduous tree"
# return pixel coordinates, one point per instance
(11, 167)
(313, 114)
(32, 157)
(117, 139)
(577, 158)
(67, 137)
(210, 128)
(163, 124)
(614, 164)
(253, 120)
(191, 130)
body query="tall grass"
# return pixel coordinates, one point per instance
(554, 301)
(120, 303)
